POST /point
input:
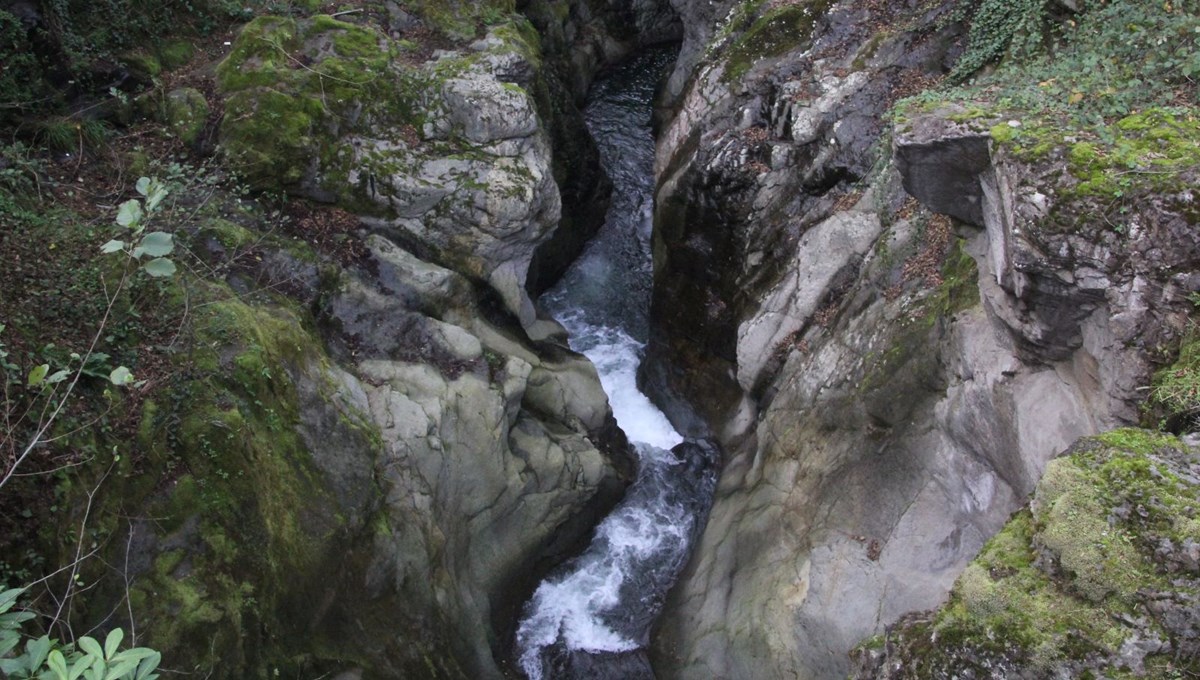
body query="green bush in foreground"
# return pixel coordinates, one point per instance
(86, 659)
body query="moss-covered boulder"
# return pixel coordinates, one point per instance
(448, 155)
(292, 88)
(186, 113)
(1098, 578)
(254, 487)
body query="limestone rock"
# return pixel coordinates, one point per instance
(447, 156)
(1074, 586)
(497, 452)
(888, 383)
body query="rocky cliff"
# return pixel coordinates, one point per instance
(1097, 577)
(892, 321)
(492, 450)
(368, 446)
(359, 445)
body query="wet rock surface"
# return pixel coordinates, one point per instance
(885, 328)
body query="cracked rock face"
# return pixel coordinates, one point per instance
(885, 342)
(497, 449)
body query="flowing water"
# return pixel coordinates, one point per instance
(592, 617)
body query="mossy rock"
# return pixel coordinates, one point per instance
(295, 86)
(780, 29)
(461, 20)
(175, 53)
(144, 67)
(186, 113)
(248, 524)
(1063, 587)
(298, 90)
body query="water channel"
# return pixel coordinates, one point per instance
(591, 618)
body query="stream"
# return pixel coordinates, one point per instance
(591, 617)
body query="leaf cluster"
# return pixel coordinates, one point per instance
(150, 249)
(1109, 61)
(1000, 27)
(46, 659)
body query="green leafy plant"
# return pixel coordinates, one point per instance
(1176, 388)
(149, 249)
(86, 659)
(999, 27)
(143, 251)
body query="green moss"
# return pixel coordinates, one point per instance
(283, 119)
(868, 50)
(186, 113)
(175, 53)
(521, 37)
(1137, 441)
(1072, 513)
(780, 29)
(259, 56)
(248, 508)
(460, 20)
(1144, 149)
(147, 65)
(1002, 133)
(969, 113)
(959, 289)
(350, 41)
(271, 139)
(1054, 586)
(1176, 388)
(231, 236)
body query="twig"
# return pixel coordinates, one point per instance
(61, 569)
(87, 511)
(129, 600)
(345, 11)
(61, 467)
(47, 422)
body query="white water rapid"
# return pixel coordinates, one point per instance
(603, 601)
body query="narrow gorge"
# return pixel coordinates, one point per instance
(592, 617)
(569, 339)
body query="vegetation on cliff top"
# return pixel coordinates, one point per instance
(1112, 88)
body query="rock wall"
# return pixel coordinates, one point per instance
(384, 446)
(880, 323)
(1090, 580)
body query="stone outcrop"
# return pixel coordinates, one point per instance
(410, 443)
(885, 327)
(1098, 577)
(490, 463)
(447, 156)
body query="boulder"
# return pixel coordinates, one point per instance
(186, 113)
(1084, 582)
(449, 157)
